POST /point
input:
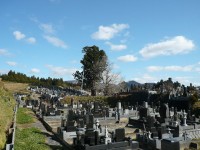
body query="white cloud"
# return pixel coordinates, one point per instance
(183, 80)
(173, 46)
(197, 69)
(35, 70)
(61, 71)
(31, 40)
(115, 66)
(118, 47)
(146, 78)
(34, 19)
(55, 41)
(108, 32)
(127, 58)
(74, 61)
(179, 68)
(170, 68)
(11, 63)
(47, 28)
(18, 35)
(3, 52)
(3, 72)
(154, 68)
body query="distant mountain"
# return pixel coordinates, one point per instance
(134, 83)
(72, 81)
(129, 83)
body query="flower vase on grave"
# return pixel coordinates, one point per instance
(107, 138)
(184, 118)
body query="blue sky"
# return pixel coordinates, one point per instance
(145, 40)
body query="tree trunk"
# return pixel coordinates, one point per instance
(93, 89)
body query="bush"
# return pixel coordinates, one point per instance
(196, 109)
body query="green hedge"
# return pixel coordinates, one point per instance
(108, 100)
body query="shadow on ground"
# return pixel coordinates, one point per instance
(50, 144)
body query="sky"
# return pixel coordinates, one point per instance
(145, 41)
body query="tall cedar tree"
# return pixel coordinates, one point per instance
(94, 63)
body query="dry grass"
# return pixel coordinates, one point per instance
(7, 104)
(16, 87)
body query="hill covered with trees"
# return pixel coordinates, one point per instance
(13, 76)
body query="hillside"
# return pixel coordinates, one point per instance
(16, 87)
(7, 104)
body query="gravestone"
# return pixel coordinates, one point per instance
(120, 134)
(90, 137)
(194, 145)
(175, 114)
(96, 106)
(72, 101)
(161, 131)
(107, 112)
(164, 111)
(150, 121)
(43, 108)
(70, 115)
(144, 112)
(89, 121)
(70, 128)
(81, 123)
(50, 111)
(57, 112)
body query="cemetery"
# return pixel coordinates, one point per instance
(93, 125)
(100, 75)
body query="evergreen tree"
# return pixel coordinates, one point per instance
(94, 63)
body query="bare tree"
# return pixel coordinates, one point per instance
(109, 81)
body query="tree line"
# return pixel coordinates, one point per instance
(13, 76)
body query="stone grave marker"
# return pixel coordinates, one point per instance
(120, 134)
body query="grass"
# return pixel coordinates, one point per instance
(67, 99)
(7, 104)
(28, 137)
(24, 116)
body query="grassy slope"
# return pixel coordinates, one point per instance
(7, 104)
